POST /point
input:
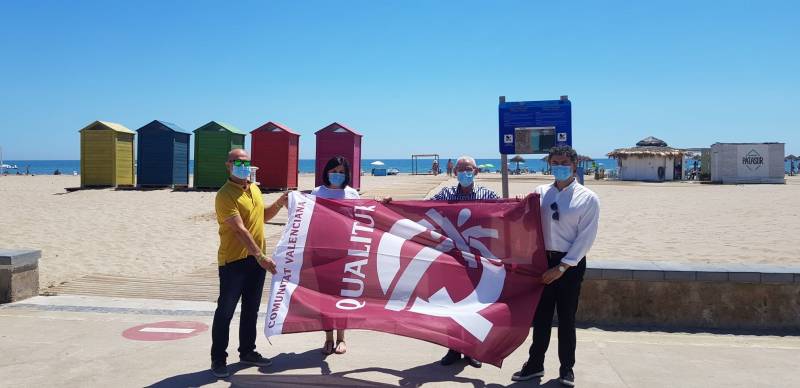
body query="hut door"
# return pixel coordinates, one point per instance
(678, 174)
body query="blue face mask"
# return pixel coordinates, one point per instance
(241, 172)
(336, 178)
(465, 178)
(561, 173)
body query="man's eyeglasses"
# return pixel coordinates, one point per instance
(238, 163)
(554, 208)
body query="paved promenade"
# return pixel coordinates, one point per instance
(77, 341)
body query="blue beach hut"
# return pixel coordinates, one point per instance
(162, 155)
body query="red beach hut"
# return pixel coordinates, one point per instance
(337, 139)
(275, 153)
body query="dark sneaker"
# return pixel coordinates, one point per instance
(219, 369)
(451, 357)
(528, 371)
(253, 358)
(567, 378)
(473, 362)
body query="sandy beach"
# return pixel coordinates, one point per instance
(162, 234)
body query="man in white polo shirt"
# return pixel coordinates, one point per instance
(569, 214)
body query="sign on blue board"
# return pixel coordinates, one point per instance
(533, 127)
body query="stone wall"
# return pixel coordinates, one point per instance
(19, 274)
(671, 296)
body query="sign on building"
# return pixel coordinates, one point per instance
(747, 163)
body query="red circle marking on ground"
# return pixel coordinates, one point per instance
(165, 331)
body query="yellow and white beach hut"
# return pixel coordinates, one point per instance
(107, 155)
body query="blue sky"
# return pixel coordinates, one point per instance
(412, 76)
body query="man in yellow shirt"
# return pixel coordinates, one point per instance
(242, 262)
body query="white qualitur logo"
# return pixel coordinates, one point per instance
(441, 304)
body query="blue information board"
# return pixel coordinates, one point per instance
(533, 127)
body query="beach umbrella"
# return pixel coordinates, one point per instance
(489, 165)
(791, 157)
(518, 159)
(377, 163)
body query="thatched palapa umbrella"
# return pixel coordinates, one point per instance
(649, 146)
(518, 159)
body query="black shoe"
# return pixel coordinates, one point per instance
(253, 358)
(473, 362)
(219, 369)
(451, 357)
(528, 372)
(567, 378)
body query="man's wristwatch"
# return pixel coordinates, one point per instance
(562, 268)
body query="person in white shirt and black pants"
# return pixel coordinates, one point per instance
(570, 213)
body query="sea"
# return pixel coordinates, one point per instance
(68, 167)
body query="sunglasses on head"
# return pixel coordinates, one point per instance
(554, 208)
(238, 163)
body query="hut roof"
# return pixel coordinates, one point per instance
(171, 126)
(271, 125)
(338, 125)
(647, 147)
(164, 125)
(107, 125)
(651, 141)
(217, 125)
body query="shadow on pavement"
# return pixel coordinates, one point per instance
(294, 381)
(280, 363)
(428, 373)
(312, 359)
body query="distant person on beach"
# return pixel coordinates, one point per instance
(435, 167)
(449, 167)
(242, 263)
(569, 213)
(336, 178)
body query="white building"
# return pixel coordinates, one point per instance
(747, 163)
(652, 160)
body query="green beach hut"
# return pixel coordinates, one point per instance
(212, 142)
(107, 155)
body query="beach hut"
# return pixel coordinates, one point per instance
(212, 142)
(735, 163)
(162, 155)
(334, 140)
(275, 151)
(652, 160)
(106, 155)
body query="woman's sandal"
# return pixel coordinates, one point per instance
(327, 349)
(344, 350)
